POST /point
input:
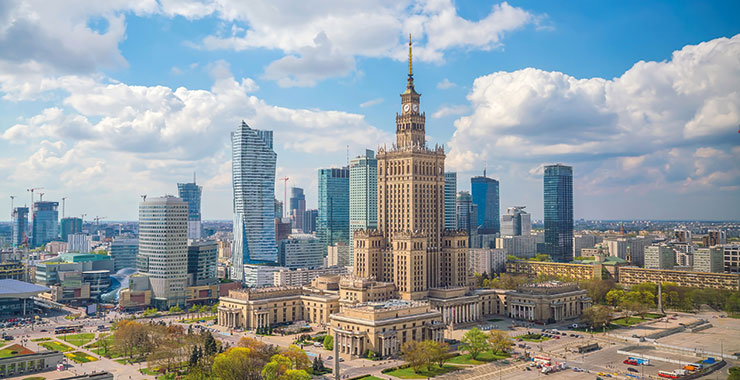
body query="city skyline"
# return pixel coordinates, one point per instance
(635, 155)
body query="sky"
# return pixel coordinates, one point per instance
(101, 102)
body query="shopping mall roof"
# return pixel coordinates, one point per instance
(10, 288)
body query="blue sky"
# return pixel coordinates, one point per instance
(101, 102)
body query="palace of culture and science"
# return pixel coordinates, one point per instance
(411, 247)
(411, 277)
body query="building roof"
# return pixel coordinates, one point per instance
(10, 288)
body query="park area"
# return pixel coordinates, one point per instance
(14, 350)
(80, 357)
(482, 358)
(430, 371)
(55, 346)
(78, 340)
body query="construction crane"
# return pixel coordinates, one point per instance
(63, 199)
(285, 195)
(97, 219)
(12, 203)
(32, 190)
(41, 196)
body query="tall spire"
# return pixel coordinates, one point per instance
(411, 72)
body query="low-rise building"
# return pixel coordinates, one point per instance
(13, 270)
(260, 276)
(21, 365)
(659, 257)
(634, 276)
(252, 308)
(487, 260)
(138, 295)
(74, 277)
(384, 327)
(731, 257)
(519, 246)
(354, 290)
(300, 277)
(547, 302)
(16, 296)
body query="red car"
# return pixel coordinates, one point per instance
(630, 362)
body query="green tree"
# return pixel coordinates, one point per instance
(413, 353)
(614, 297)
(437, 352)
(236, 363)
(210, 346)
(596, 316)
(175, 309)
(499, 341)
(734, 373)
(328, 342)
(277, 366)
(295, 374)
(474, 342)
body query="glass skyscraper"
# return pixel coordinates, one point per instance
(450, 200)
(333, 222)
(297, 207)
(69, 226)
(20, 226)
(558, 183)
(45, 223)
(485, 195)
(363, 196)
(253, 173)
(190, 193)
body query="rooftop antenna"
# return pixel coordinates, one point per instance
(485, 166)
(41, 197)
(12, 203)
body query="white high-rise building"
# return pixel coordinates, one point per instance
(581, 241)
(487, 260)
(516, 222)
(253, 173)
(709, 260)
(519, 246)
(363, 196)
(731, 255)
(337, 255)
(450, 200)
(659, 257)
(163, 249)
(78, 243)
(301, 251)
(258, 276)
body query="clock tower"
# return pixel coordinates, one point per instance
(410, 122)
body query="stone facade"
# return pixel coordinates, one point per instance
(537, 268)
(30, 363)
(384, 327)
(634, 275)
(547, 302)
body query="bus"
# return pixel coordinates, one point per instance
(668, 375)
(542, 360)
(67, 329)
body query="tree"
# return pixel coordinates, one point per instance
(236, 363)
(499, 341)
(277, 366)
(734, 373)
(614, 296)
(195, 356)
(175, 309)
(437, 352)
(262, 350)
(328, 342)
(596, 316)
(474, 342)
(210, 346)
(297, 357)
(295, 374)
(414, 354)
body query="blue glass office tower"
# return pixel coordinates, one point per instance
(450, 200)
(333, 222)
(190, 193)
(297, 207)
(20, 226)
(559, 212)
(253, 174)
(484, 191)
(69, 226)
(45, 223)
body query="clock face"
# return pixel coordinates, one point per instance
(416, 107)
(406, 108)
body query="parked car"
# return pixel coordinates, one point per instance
(632, 369)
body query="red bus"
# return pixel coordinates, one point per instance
(669, 375)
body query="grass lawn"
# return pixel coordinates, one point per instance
(408, 373)
(55, 346)
(80, 357)
(532, 337)
(194, 320)
(14, 350)
(483, 357)
(495, 320)
(79, 340)
(40, 339)
(628, 321)
(370, 377)
(35, 378)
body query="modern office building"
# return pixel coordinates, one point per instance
(202, 262)
(190, 193)
(45, 226)
(297, 207)
(78, 243)
(301, 277)
(259, 275)
(411, 248)
(19, 227)
(74, 277)
(558, 191)
(709, 260)
(333, 223)
(338, 255)
(363, 195)
(253, 172)
(450, 200)
(659, 257)
(163, 249)
(466, 213)
(123, 252)
(309, 221)
(301, 251)
(516, 222)
(731, 255)
(282, 229)
(520, 246)
(278, 209)
(484, 192)
(68, 226)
